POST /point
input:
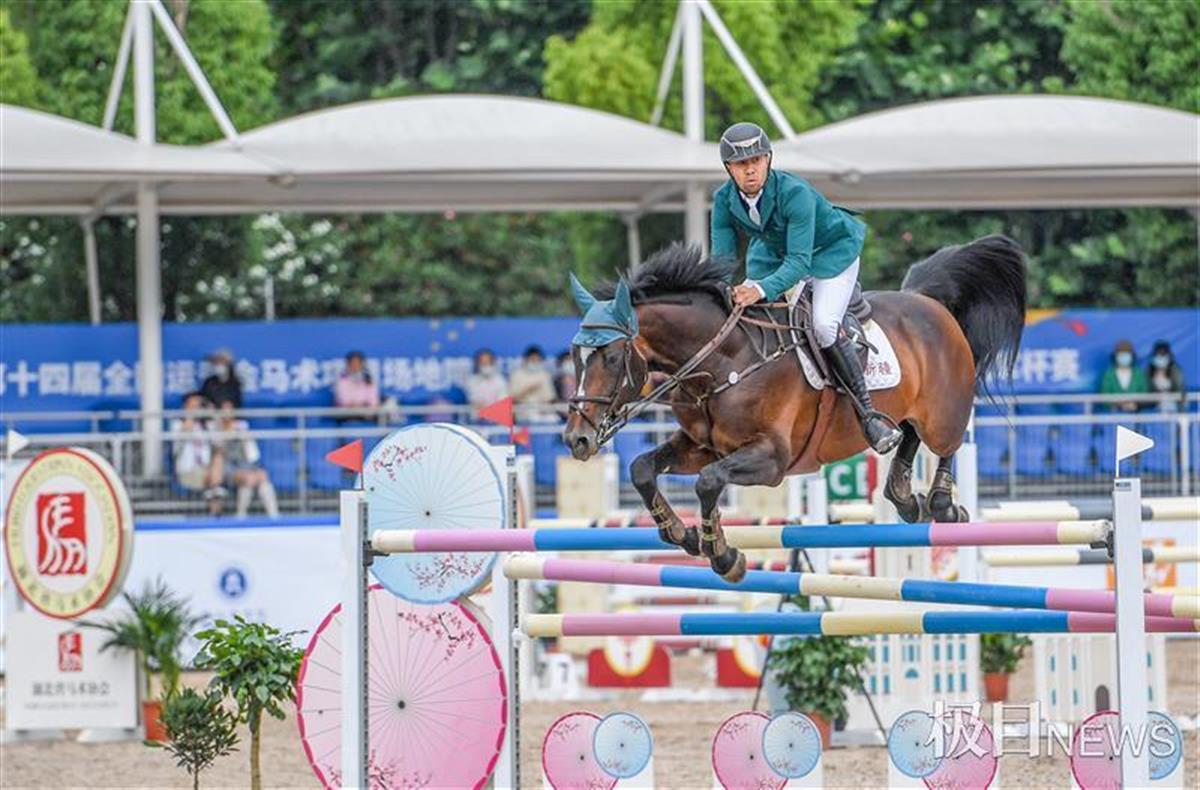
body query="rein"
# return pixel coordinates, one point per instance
(614, 420)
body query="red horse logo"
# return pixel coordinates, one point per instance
(62, 535)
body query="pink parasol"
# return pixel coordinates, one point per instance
(568, 759)
(437, 696)
(1095, 758)
(737, 755)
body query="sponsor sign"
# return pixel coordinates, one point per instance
(56, 677)
(68, 532)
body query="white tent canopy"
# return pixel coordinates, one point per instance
(1010, 151)
(490, 153)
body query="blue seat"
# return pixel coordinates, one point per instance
(321, 473)
(282, 462)
(1105, 441)
(992, 444)
(1074, 453)
(1160, 458)
(1033, 450)
(629, 446)
(547, 447)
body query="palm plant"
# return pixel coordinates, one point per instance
(154, 627)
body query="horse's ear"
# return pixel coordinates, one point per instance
(623, 306)
(583, 297)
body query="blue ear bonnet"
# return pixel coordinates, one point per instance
(603, 320)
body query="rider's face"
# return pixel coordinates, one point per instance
(750, 174)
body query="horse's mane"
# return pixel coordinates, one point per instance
(676, 269)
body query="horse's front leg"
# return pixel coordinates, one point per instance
(678, 454)
(761, 462)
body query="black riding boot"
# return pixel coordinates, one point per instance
(881, 435)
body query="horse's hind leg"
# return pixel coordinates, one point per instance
(758, 463)
(898, 489)
(941, 495)
(677, 454)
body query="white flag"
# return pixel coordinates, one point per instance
(15, 443)
(1130, 443)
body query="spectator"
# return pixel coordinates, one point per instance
(355, 388)
(238, 456)
(564, 376)
(486, 385)
(1165, 376)
(197, 466)
(1123, 377)
(532, 385)
(223, 384)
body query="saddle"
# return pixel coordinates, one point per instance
(858, 313)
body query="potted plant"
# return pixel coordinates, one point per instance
(199, 730)
(154, 627)
(256, 665)
(999, 655)
(815, 674)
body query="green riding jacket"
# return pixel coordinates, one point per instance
(802, 234)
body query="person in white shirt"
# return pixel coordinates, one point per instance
(532, 385)
(486, 384)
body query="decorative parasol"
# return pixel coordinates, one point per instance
(622, 745)
(433, 476)
(737, 755)
(568, 754)
(437, 696)
(969, 759)
(791, 745)
(1095, 762)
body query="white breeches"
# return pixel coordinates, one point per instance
(830, 299)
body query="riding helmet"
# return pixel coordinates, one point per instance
(744, 141)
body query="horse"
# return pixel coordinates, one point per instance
(746, 413)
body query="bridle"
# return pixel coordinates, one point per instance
(614, 417)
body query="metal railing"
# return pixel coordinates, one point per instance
(1021, 454)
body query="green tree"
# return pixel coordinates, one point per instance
(256, 665)
(76, 41)
(918, 50)
(336, 52)
(788, 43)
(18, 78)
(199, 730)
(1147, 51)
(911, 50)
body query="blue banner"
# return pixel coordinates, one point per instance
(62, 367)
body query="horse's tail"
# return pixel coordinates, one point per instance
(982, 284)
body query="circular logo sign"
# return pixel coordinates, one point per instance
(68, 532)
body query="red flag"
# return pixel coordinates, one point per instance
(500, 412)
(348, 456)
(521, 436)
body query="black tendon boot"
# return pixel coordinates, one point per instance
(881, 435)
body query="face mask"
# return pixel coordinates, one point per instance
(221, 370)
(1161, 361)
(487, 370)
(1124, 359)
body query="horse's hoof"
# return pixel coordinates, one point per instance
(963, 515)
(730, 566)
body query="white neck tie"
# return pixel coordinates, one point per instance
(752, 211)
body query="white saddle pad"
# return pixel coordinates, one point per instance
(882, 370)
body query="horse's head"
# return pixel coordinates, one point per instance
(609, 369)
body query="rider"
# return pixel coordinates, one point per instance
(795, 233)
